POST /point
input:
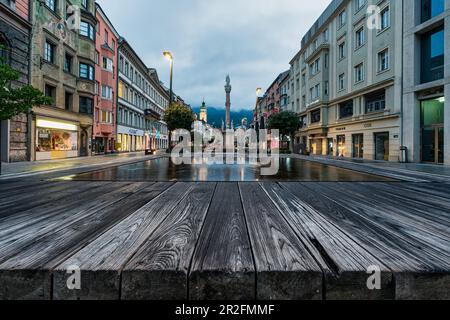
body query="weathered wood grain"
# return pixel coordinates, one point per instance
(101, 262)
(39, 195)
(46, 202)
(50, 249)
(223, 267)
(285, 268)
(39, 254)
(424, 225)
(347, 261)
(405, 252)
(17, 230)
(159, 270)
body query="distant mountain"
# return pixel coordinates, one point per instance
(216, 115)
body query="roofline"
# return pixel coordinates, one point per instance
(108, 22)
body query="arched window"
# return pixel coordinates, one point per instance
(4, 50)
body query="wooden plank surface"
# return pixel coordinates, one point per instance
(408, 254)
(103, 259)
(43, 252)
(285, 269)
(347, 260)
(159, 270)
(18, 230)
(223, 267)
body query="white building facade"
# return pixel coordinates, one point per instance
(345, 82)
(141, 105)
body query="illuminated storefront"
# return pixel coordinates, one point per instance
(56, 139)
(130, 139)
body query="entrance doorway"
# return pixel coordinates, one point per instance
(84, 143)
(340, 146)
(358, 146)
(432, 118)
(382, 146)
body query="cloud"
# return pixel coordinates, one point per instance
(252, 40)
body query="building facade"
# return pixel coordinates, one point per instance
(141, 104)
(15, 31)
(275, 99)
(104, 127)
(426, 69)
(346, 82)
(63, 66)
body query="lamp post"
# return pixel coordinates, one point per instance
(258, 93)
(169, 57)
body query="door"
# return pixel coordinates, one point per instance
(382, 146)
(84, 144)
(432, 131)
(433, 144)
(330, 145)
(358, 146)
(341, 146)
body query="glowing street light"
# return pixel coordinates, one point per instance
(168, 55)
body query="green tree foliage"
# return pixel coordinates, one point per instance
(17, 100)
(178, 116)
(287, 122)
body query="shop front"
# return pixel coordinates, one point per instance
(374, 140)
(130, 139)
(56, 139)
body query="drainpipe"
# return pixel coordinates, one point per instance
(402, 90)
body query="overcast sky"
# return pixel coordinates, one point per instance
(252, 40)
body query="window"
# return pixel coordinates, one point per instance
(315, 92)
(107, 92)
(326, 88)
(107, 64)
(86, 71)
(106, 117)
(359, 4)
(86, 105)
(432, 55)
(341, 81)
(341, 51)
(326, 35)
(383, 60)
(68, 101)
(314, 68)
(4, 51)
(359, 73)
(68, 62)
(385, 18)
(87, 30)
(431, 8)
(50, 92)
(376, 102)
(346, 109)
(359, 38)
(10, 3)
(315, 116)
(342, 18)
(84, 3)
(49, 52)
(51, 4)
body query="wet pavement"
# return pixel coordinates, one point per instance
(163, 169)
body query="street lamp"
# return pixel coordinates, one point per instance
(168, 55)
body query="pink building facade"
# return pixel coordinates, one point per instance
(104, 127)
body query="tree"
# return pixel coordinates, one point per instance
(15, 100)
(287, 122)
(178, 116)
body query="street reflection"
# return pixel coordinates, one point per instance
(163, 169)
